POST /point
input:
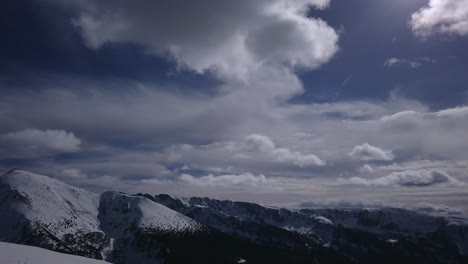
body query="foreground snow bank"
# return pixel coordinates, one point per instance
(13, 253)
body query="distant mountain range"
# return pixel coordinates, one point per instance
(137, 229)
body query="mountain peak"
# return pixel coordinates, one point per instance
(12, 171)
(42, 199)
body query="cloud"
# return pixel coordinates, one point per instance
(255, 152)
(32, 142)
(437, 209)
(128, 165)
(367, 152)
(411, 178)
(73, 173)
(441, 17)
(415, 64)
(227, 38)
(348, 203)
(266, 146)
(366, 169)
(260, 142)
(461, 111)
(451, 213)
(429, 133)
(246, 179)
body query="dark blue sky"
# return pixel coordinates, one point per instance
(374, 31)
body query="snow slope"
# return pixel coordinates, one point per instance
(58, 207)
(20, 254)
(118, 211)
(125, 229)
(41, 211)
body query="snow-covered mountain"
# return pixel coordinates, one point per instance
(353, 232)
(379, 221)
(42, 211)
(20, 254)
(45, 212)
(121, 228)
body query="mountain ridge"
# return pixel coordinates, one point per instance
(143, 228)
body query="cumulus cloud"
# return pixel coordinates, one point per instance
(366, 169)
(260, 142)
(441, 17)
(225, 37)
(415, 64)
(266, 146)
(367, 152)
(254, 153)
(246, 179)
(31, 142)
(411, 178)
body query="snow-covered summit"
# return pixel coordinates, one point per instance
(118, 211)
(39, 199)
(42, 211)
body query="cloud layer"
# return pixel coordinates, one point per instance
(414, 178)
(246, 179)
(35, 142)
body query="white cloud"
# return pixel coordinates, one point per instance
(31, 142)
(428, 133)
(415, 64)
(73, 173)
(229, 38)
(263, 143)
(461, 111)
(441, 17)
(246, 179)
(368, 152)
(366, 169)
(268, 148)
(394, 61)
(411, 178)
(254, 153)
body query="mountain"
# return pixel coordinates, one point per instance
(125, 229)
(48, 213)
(120, 228)
(14, 253)
(365, 235)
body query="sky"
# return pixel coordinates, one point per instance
(323, 102)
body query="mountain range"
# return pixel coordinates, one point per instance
(121, 228)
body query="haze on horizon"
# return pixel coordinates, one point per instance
(302, 102)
